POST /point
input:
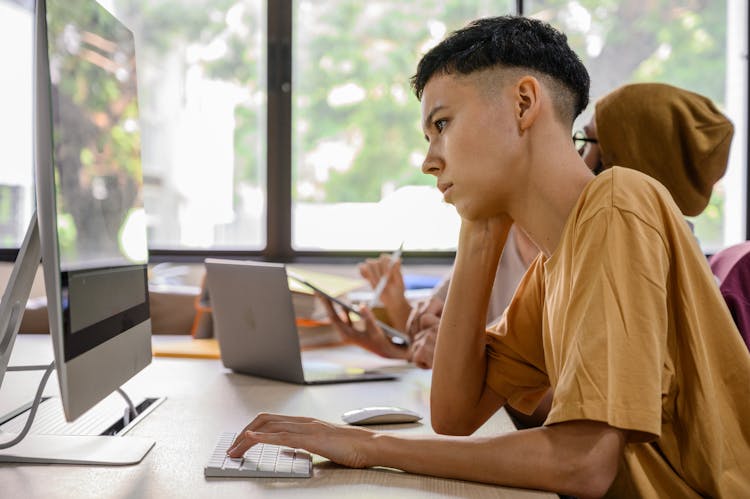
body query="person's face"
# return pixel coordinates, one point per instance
(590, 151)
(472, 144)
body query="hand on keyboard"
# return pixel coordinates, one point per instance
(261, 460)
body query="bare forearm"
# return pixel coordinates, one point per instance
(460, 364)
(578, 459)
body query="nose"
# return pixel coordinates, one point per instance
(431, 164)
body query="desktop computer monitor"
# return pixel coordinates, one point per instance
(89, 227)
(92, 225)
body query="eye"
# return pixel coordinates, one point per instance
(440, 124)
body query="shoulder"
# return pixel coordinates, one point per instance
(621, 210)
(630, 192)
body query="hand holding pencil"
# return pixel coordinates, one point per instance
(384, 275)
(393, 260)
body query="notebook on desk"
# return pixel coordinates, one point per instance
(255, 324)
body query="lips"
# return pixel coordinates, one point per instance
(444, 186)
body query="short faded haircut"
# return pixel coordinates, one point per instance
(512, 42)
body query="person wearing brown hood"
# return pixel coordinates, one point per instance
(676, 136)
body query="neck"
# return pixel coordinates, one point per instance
(550, 193)
(526, 248)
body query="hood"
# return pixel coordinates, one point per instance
(677, 137)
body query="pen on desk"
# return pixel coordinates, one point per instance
(384, 278)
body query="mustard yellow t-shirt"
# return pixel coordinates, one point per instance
(626, 323)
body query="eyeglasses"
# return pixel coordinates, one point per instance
(580, 139)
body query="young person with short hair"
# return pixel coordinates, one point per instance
(674, 135)
(619, 314)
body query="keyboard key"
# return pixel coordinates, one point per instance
(261, 460)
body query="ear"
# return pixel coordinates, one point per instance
(528, 101)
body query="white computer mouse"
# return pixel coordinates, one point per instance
(380, 415)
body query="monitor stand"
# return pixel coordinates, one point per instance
(17, 291)
(58, 449)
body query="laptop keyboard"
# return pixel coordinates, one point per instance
(260, 460)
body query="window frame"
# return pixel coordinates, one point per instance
(279, 168)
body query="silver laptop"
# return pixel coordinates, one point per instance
(256, 327)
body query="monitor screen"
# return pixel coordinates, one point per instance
(96, 139)
(92, 224)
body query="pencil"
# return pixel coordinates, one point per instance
(384, 278)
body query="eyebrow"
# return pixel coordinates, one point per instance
(428, 120)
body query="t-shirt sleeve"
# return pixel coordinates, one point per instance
(515, 351)
(611, 354)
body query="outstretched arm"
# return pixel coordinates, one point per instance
(580, 458)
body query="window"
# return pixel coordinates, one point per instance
(357, 141)
(699, 46)
(202, 77)
(16, 173)
(288, 128)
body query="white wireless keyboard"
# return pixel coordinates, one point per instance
(260, 460)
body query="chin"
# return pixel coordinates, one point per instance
(474, 213)
(467, 213)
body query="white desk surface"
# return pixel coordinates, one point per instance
(204, 399)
